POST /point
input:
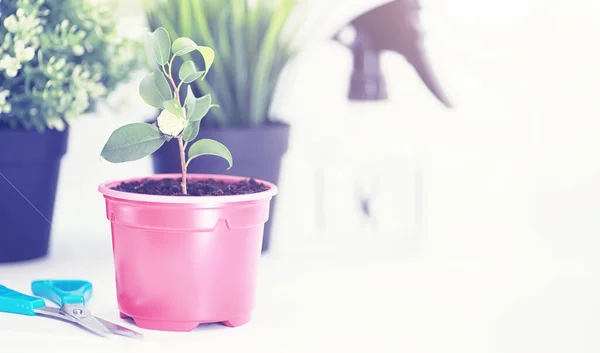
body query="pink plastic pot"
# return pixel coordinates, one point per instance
(184, 260)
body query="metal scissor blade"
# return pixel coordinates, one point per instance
(54, 312)
(120, 330)
(82, 316)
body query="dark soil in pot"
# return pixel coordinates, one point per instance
(209, 187)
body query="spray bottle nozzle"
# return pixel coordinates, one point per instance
(392, 27)
(367, 82)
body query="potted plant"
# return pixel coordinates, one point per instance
(186, 245)
(253, 47)
(58, 59)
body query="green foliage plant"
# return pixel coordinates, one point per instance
(58, 58)
(180, 114)
(254, 41)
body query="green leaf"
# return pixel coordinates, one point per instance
(150, 93)
(201, 109)
(190, 101)
(188, 73)
(209, 57)
(191, 131)
(209, 147)
(204, 86)
(194, 76)
(174, 107)
(161, 45)
(187, 68)
(184, 45)
(162, 85)
(132, 142)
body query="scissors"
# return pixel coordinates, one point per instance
(71, 296)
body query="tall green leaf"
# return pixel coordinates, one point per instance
(132, 142)
(278, 20)
(205, 34)
(185, 14)
(209, 147)
(240, 64)
(223, 37)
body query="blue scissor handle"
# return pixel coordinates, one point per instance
(63, 291)
(18, 303)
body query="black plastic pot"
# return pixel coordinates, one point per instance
(29, 169)
(257, 153)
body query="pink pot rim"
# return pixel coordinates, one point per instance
(105, 189)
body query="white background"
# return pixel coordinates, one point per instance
(507, 259)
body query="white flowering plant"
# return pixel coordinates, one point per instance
(180, 111)
(58, 58)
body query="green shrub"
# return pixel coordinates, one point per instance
(58, 58)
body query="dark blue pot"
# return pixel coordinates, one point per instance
(257, 153)
(29, 170)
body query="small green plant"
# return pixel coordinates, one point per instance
(58, 59)
(180, 115)
(254, 40)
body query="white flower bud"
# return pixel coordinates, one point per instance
(170, 124)
(5, 106)
(3, 95)
(56, 123)
(60, 63)
(11, 24)
(26, 54)
(19, 46)
(78, 49)
(10, 65)
(12, 72)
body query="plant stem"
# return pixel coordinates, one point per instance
(171, 65)
(183, 166)
(180, 138)
(175, 87)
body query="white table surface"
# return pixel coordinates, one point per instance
(505, 300)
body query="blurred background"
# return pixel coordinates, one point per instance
(487, 192)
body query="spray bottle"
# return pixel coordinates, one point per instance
(393, 27)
